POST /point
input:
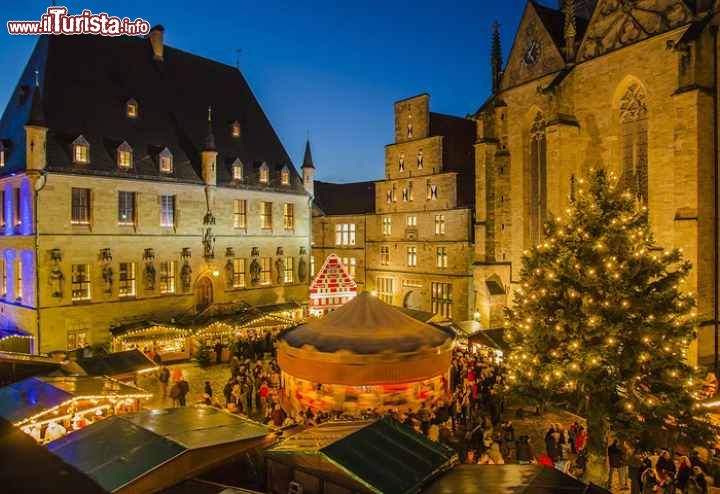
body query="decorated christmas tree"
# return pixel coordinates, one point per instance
(602, 323)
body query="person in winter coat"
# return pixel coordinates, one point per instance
(697, 484)
(685, 471)
(523, 451)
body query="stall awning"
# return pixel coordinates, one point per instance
(509, 479)
(493, 338)
(16, 366)
(382, 455)
(116, 364)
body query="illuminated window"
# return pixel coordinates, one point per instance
(167, 277)
(384, 255)
(240, 213)
(289, 216)
(634, 133)
(351, 265)
(126, 281)
(412, 256)
(432, 191)
(18, 278)
(401, 163)
(266, 215)
(235, 129)
(420, 159)
(385, 289)
(238, 273)
(80, 214)
(81, 285)
(441, 299)
(2, 154)
(312, 265)
(345, 234)
(166, 161)
(77, 338)
(405, 195)
(538, 179)
(167, 211)
(17, 206)
(289, 273)
(441, 257)
(2, 208)
(81, 151)
(264, 173)
(439, 224)
(132, 109)
(237, 170)
(3, 279)
(412, 220)
(285, 176)
(387, 225)
(126, 208)
(265, 271)
(124, 155)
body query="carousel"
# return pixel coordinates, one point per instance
(366, 354)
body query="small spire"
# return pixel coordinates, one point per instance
(496, 60)
(210, 137)
(570, 28)
(37, 77)
(37, 109)
(308, 159)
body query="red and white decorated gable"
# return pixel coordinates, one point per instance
(332, 287)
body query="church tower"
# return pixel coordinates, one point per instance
(308, 170)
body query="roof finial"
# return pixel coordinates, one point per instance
(570, 28)
(496, 57)
(210, 137)
(209, 113)
(37, 77)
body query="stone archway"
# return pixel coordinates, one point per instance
(203, 294)
(413, 300)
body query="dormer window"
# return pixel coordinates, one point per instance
(264, 173)
(81, 151)
(285, 176)
(132, 108)
(166, 161)
(124, 155)
(237, 170)
(235, 129)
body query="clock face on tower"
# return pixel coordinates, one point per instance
(532, 52)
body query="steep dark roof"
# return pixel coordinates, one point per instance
(352, 198)
(308, 159)
(85, 82)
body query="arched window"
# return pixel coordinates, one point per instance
(237, 169)
(634, 139)
(538, 178)
(124, 155)
(166, 161)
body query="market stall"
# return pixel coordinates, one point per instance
(367, 354)
(16, 341)
(158, 341)
(124, 366)
(47, 408)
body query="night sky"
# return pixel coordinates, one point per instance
(328, 68)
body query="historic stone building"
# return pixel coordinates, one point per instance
(409, 237)
(629, 85)
(140, 182)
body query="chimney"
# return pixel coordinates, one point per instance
(157, 35)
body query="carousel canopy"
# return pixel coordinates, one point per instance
(30, 397)
(367, 325)
(382, 455)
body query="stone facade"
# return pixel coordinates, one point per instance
(414, 248)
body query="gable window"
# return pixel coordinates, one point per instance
(166, 161)
(81, 151)
(345, 234)
(289, 216)
(420, 159)
(167, 277)
(264, 173)
(126, 208)
(126, 282)
(240, 213)
(235, 129)
(124, 155)
(237, 170)
(441, 257)
(432, 191)
(634, 133)
(387, 225)
(412, 256)
(81, 287)
(238, 272)
(412, 220)
(80, 208)
(285, 176)
(439, 224)
(167, 211)
(132, 108)
(538, 178)
(401, 163)
(266, 215)
(406, 194)
(384, 255)
(265, 270)
(289, 274)
(388, 194)
(394, 193)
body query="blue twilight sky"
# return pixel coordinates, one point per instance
(330, 68)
